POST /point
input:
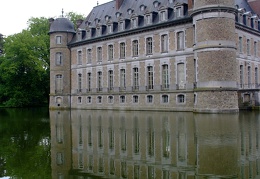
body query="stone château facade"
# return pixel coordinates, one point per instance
(174, 55)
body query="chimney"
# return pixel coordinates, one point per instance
(190, 4)
(118, 4)
(79, 22)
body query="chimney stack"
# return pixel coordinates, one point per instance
(118, 4)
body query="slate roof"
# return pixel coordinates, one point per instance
(109, 9)
(62, 24)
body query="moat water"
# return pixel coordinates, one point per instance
(85, 144)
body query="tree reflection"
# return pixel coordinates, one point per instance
(25, 143)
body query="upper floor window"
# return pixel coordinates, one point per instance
(58, 83)
(122, 79)
(122, 50)
(79, 57)
(178, 12)
(89, 55)
(149, 46)
(110, 52)
(135, 78)
(150, 77)
(89, 81)
(180, 40)
(58, 59)
(110, 79)
(134, 23)
(248, 46)
(99, 54)
(164, 43)
(240, 44)
(135, 48)
(99, 81)
(79, 82)
(58, 39)
(148, 19)
(255, 49)
(121, 26)
(163, 15)
(165, 76)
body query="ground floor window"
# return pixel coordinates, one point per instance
(165, 99)
(149, 99)
(181, 98)
(135, 99)
(99, 99)
(122, 99)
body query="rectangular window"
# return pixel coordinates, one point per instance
(58, 59)
(241, 68)
(178, 12)
(180, 40)
(99, 82)
(255, 49)
(134, 23)
(248, 47)
(150, 77)
(89, 55)
(240, 44)
(58, 39)
(121, 26)
(148, 19)
(79, 83)
(149, 46)
(110, 80)
(135, 48)
(135, 79)
(256, 77)
(249, 77)
(180, 76)
(164, 43)
(163, 16)
(149, 99)
(180, 98)
(89, 81)
(122, 50)
(110, 52)
(80, 57)
(165, 98)
(122, 99)
(109, 29)
(135, 99)
(99, 54)
(165, 77)
(58, 84)
(122, 79)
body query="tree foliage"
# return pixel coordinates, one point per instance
(24, 67)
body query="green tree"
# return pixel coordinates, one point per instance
(24, 68)
(74, 17)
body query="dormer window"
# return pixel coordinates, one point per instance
(109, 28)
(121, 26)
(178, 12)
(156, 4)
(134, 23)
(163, 16)
(98, 32)
(178, 9)
(58, 39)
(130, 11)
(148, 19)
(118, 14)
(97, 21)
(79, 36)
(142, 7)
(107, 18)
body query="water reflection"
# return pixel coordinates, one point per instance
(116, 144)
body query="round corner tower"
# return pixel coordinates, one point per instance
(215, 56)
(61, 33)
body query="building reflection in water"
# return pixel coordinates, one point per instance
(122, 144)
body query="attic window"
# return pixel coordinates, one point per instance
(107, 17)
(118, 14)
(170, 1)
(97, 20)
(142, 7)
(130, 11)
(156, 4)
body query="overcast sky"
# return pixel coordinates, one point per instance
(14, 14)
